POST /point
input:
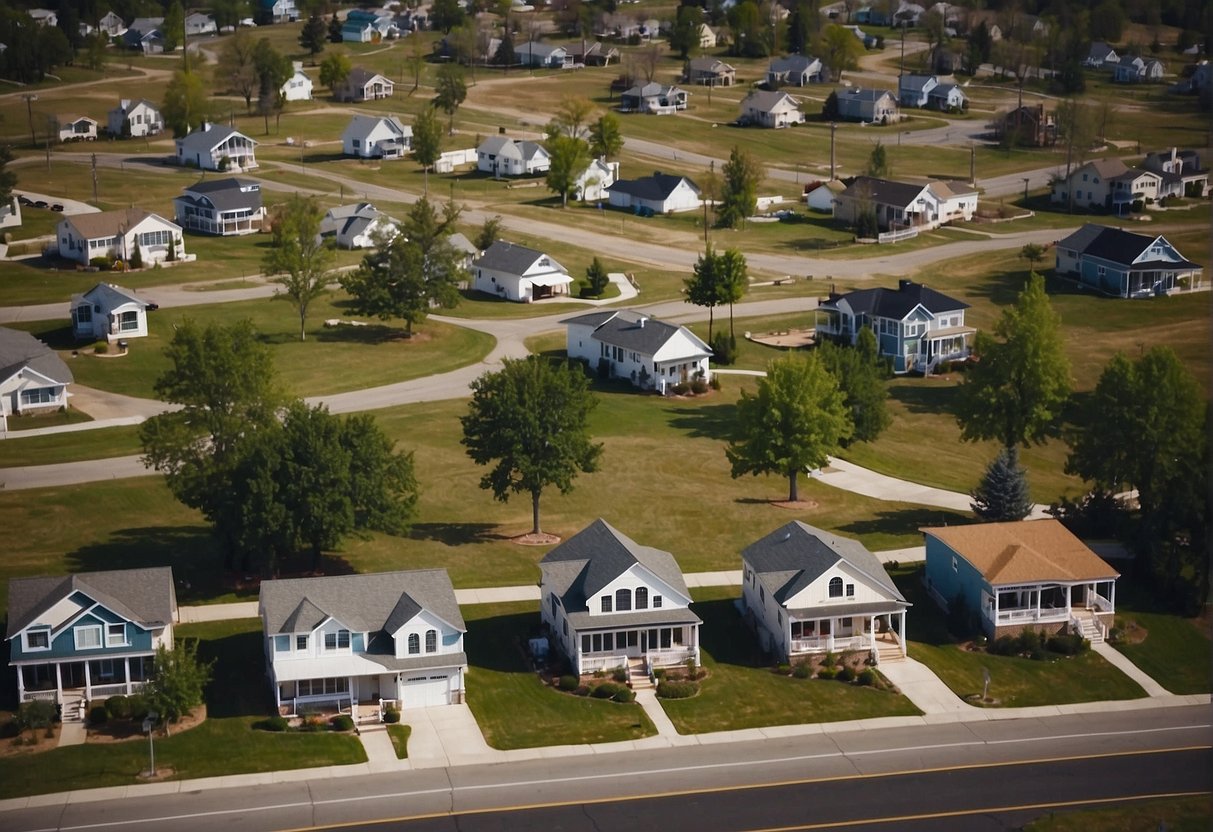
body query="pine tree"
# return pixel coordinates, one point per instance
(1002, 494)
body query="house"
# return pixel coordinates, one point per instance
(10, 213)
(360, 225)
(198, 24)
(795, 70)
(369, 26)
(955, 201)
(915, 90)
(32, 377)
(948, 98)
(545, 55)
(299, 86)
(377, 137)
(110, 312)
(135, 119)
(770, 109)
(144, 34)
(1135, 70)
(652, 354)
(591, 53)
(1100, 56)
(111, 25)
(502, 156)
(820, 195)
(607, 602)
(226, 207)
(73, 128)
(868, 41)
(88, 636)
(363, 85)
(1124, 264)
(595, 181)
(117, 234)
(518, 273)
(1027, 126)
(44, 17)
(1030, 574)
(276, 11)
(653, 98)
(905, 14)
(661, 193)
(1107, 184)
(361, 642)
(867, 105)
(1180, 170)
(915, 326)
(807, 591)
(214, 147)
(904, 205)
(710, 72)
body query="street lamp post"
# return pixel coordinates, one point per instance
(1025, 191)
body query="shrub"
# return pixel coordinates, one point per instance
(845, 674)
(827, 673)
(619, 675)
(36, 714)
(724, 348)
(136, 261)
(677, 690)
(1068, 644)
(8, 729)
(276, 724)
(102, 263)
(868, 678)
(118, 707)
(101, 348)
(1004, 646)
(391, 716)
(97, 715)
(659, 673)
(783, 669)
(802, 671)
(137, 705)
(311, 723)
(829, 660)
(568, 683)
(692, 669)
(699, 386)
(626, 695)
(714, 383)
(582, 690)
(342, 722)
(681, 388)
(607, 690)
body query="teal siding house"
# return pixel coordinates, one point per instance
(1032, 573)
(85, 637)
(1125, 265)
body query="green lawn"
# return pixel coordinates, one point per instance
(399, 735)
(102, 443)
(742, 692)
(514, 708)
(1176, 814)
(1175, 653)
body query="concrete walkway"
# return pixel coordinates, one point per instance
(646, 698)
(71, 733)
(380, 753)
(922, 687)
(444, 736)
(1121, 662)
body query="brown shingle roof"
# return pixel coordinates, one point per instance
(1024, 552)
(107, 223)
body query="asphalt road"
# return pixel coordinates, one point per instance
(978, 768)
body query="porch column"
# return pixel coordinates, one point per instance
(20, 684)
(901, 633)
(88, 682)
(126, 673)
(1038, 594)
(353, 693)
(58, 682)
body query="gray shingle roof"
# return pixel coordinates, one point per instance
(360, 77)
(109, 296)
(510, 258)
(1113, 244)
(226, 194)
(895, 304)
(364, 603)
(633, 331)
(793, 63)
(885, 191)
(361, 126)
(657, 187)
(206, 140)
(145, 596)
(582, 565)
(20, 349)
(766, 100)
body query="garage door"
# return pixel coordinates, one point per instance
(423, 691)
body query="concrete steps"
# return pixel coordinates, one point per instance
(638, 679)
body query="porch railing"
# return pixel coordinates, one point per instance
(609, 661)
(51, 695)
(818, 644)
(1099, 603)
(105, 691)
(1015, 616)
(669, 658)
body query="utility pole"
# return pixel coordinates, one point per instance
(95, 197)
(833, 130)
(30, 98)
(973, 164)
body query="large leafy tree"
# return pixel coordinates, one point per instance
(334, 69)
(229, 13)
(861, 375)
(684, 35)
(570, 157)
(273, 71)
(732, 281)
(185, 104)
(313, 36)
(236, 70)
(803, 24)
(794, 422)
(1016, 390)
(298, 256)
(739, 195)
(703, 286)
(878, 161)
(572, 117)
(529, 421)
(446, 15)
(173, 27)
(750, 30)
(178, 681)
(606, 139)
(840, 49)
(427, 138)
(1002, 495)
(452, 90)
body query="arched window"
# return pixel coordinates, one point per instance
(835, 587)
(623, 600)
(431, 641)
(642, 598)
(414, 644)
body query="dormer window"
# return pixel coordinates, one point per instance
(39, 639)
(339, 640)
(301, 643)
(431, 641)
(414, 644)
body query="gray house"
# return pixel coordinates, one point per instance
(1123, 264)
(546, 55)
(795, 70)
(32, 377)
(873, 106)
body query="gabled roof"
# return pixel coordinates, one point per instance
(916, 82)
(210, 137)
(885, 191)
(1024, 551)
(1099, 50)
(1113, 244)
(865, 94)
(127, 105)
(714, 65)
(110, 223)
(145, 25)
(634, 331)
(365, 603)
(226, 194)
(793, 556)
(658, 187)
(20, 349)
(363, 125)
(896, 303)
(145, 596)
(543, 50)
(510, 258)
(360, 77)
(944, 90)
(110, 296)
(767, 101)
(794, 63)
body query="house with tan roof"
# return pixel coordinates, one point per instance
(1109, 184)
(118, 234)
(1012, 576)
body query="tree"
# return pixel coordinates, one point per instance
(229, 13)
(529, 421)
(861, 374)
(173, 27)
(452, 90)
(597, 277)
(313, 35)
(570, 157)
(684, 35)
(878, 161)
(95, 51)
(415, 62)
(237, 67)
(427, 138)
(840, 50)
(732, 281)
(334, 25)
(739, 198)
(185, 104)
(488, 234)
(803, 23)
(273, 71)
(446, 15)
(572, 117)
(178, 681)
(749, 28)
(504, 56)
(1002, 495)
(298, 255)
(606, 139)
(1033, 253)
(703, 286)
(1017, 388)
(794, 422)
(334, 69)
(829, 110)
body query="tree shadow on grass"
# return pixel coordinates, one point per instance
(926, 398)
(714, 421)
(455, 534)
(925, 623)
(904, 521)
(725, 636)
(371, 334)
(238, 685)
(497, 643)
(191, 551)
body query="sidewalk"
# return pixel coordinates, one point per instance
(1121, 662)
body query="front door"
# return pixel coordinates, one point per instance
(72, 674)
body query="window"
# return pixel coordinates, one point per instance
(850, 590)
(323, 687)
(128, 321)
(642, 598)
(414, 644)
(38, 640)
(597, 643)
(608, 641)
(623, 600)
(282, 644)
(564, 626)
(88, 637)
(339, 640)
(38, 395)
(846, 622)
(585, 644)
(762, 595)
(84, 313)
(606, 603)
(301, 642)
(431, 641)
(115, 635)
(835, 587)
(154, 238)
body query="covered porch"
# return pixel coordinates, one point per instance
(949, 344)
(822, 631)
(661, 646)
(1052, 602)
(56, 681)
(1150, 279)
(547, 286)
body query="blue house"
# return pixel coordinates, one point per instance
(915, 326)
(915, 90)
(1027, 574)
(86, 637)
(1124, 264)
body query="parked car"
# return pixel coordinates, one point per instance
(58, 206)
(25, 200)
(41, 204)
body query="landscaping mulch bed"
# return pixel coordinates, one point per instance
(124, 730)
(542, 539)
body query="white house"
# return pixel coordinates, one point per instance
(135, 119)
(795, 70)
(546, 55)
(519, 273)
(360, 225)
(915, 90)
(596, 180)
(44, 17)
(805, 590)
(276, 11)
(502, 156)
(707, 37)
(10, 213)
(110, 312)
(955, 201)
(364, 85)
(770, 109)
(299, 86)
(377, 137)
(906, 205)
(198, 24)
(820, 195)
(73, 128)
(225, 207)
(214, 147)
(360, 642)
(948, 98)
(88, 636)
(868, 105)
(661, 193)
(1108, 184)
(116, 234)
(1180, 171)
(32, 377)
(145, 34)
(111, 25)
(607, 602)
(650, 353)
(653, 98)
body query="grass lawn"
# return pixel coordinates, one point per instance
(399, 735)
(1177, 814)
(514, 708)
(51, 419)
(69, 447)
(742, 692)
(1175, 652)
(1015, 682)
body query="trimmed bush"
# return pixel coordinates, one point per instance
(276, 724)
(692, 669)
(681, 388)
(1070, 644)
(568, 683)
(827, 673)
(582, 690)
(868, 678)
(699, 386)
(829, 660)
(677, 690)
(619, 675)
(607, 690)
(97, 715)
(624, 696)
(311, 724)
(391, 716)
(101, 348)
(802, 671)
(724, 348)
(137, 705)
(782, 669)
(659, 673)
(118, 707)
(845, 674)
(342, 722)
(9, 729)
(1004, 646)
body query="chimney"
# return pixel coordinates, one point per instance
(297, 65)
(641, 321)
(904, 284)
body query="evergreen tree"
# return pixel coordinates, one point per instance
(878, 161)
(597, 277)
(703, 286)
(452, 90)
(829, 110)
(1002, 494)
(335, 29)
(861, 375)
(739, 196)
(312, 36)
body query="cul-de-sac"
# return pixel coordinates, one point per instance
(502, 414)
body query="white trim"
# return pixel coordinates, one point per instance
(76, 637)
(109, 642)
(29, 648)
